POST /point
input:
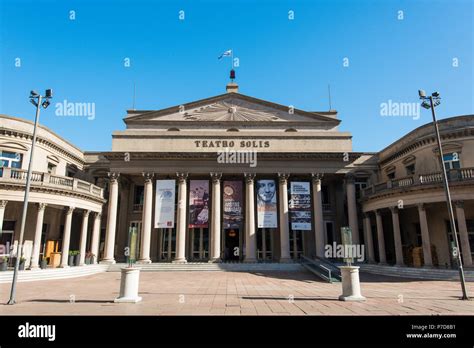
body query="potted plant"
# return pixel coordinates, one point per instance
(77, 258)
(70, 260)
(4, 264)
(22, 263)
(44, 262)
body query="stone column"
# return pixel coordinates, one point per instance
(216, 218)
(66, 237)
(397, 237)
(380, 237)
(284, 219)
(318, 215)
(425, 236)
(146, 219)
(38, 233)
(463, 236)
(250, 236)
(83, 240)
(181, 217)
(3, 205)
(111, 219)
(352, 208)
(96, 237)
(369, 242)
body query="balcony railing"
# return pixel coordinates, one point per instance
(45, 179)
(454, 175)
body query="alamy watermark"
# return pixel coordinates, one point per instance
(237, 157)
(393, 108)
(345, 251)
(67, 108)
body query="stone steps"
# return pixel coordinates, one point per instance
(417, 273)
(53, 273)
(210, 267)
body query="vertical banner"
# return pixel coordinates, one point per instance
(266, 204)
(164, 203)
(300, 206)
(232, 204)
(198, 203)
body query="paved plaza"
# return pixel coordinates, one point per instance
(235, 293)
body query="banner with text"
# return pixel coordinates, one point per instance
(300, 206)
(232, 204)
(198, 203)
(164, 203)
(266, 204)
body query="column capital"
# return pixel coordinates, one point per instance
(350, 178)
(421, 206)
(394, 210)
(366, 215)
(459, 204)
(41, 206)
(86, 213)
(283, 177)
(182, 177)
(148, 177)
(249, 177)
(216, 177)
(69, 210)
(113, 176)
(377, 212)
(98, 215)
(3, 204)
(316, 178)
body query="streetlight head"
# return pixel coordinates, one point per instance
(435, 94)
(421, 93)
(32, 101)
(426, 105)
(33, 94)
(49, 93)
(46, 103)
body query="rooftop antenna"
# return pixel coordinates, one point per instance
(329, 93)
(133, 106)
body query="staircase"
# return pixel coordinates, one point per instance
(210, 267)
(53, 273)
(322, 268)
(416, 273)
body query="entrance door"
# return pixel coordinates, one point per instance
(200, 244)
(168, 244)
(265, 244)
(232, 244)
(296, 244)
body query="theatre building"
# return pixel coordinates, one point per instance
(233, 178)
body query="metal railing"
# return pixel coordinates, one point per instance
(454, 175)
(15, 175)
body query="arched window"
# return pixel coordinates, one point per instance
(173, 129)
(232, 130)
(290, 130)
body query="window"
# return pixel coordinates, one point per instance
(410, 169)
(360, 184)
(10, 159)
(325, 195)
(451, 161)
(138, 198)
(391, 175)
(51, 168)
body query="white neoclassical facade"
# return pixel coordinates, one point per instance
(239, 179)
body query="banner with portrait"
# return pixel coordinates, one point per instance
(165, 203)
(232, 204)
(266, 204)
(300, 206)
(198, 203)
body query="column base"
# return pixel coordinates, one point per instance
(144, 261)
(286, 260)
(179, 261)
(34, 268)
(215, 260)
(107, 262)
(63, 266)
(352, 298)
(248, 260)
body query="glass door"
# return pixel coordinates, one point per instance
(296, 244)
(200, 244)
(265, 244)
(168, 244)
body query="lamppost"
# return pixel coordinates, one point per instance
(430, 103)
(38, 101)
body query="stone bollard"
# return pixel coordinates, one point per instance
(350, 284)
(129, 285)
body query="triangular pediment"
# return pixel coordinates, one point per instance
(233, 108)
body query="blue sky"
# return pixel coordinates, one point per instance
(285, 61)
